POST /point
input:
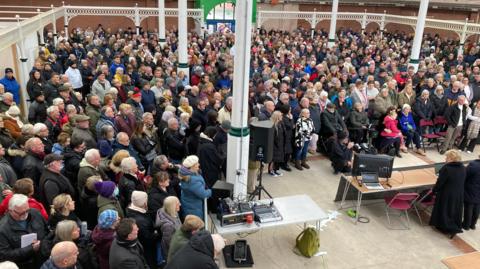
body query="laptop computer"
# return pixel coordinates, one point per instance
(370, 181)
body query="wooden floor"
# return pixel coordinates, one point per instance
(350, 246)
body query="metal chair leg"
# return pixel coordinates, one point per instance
(388, 217)
(418, 214)
(408, 219)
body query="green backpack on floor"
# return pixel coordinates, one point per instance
(308, 242)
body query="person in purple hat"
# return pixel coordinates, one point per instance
(107, 197)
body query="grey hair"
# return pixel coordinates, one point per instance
(105, 129)
(127, 164)
(17, 200)
(57, 101)
(38, 127)
(405, 106)
(167, 115)
(8, 264)
(91, 154)
(172, 121)
(70, 108)
(50, 109)
(159, 160)
(8, 94)
(146, 114)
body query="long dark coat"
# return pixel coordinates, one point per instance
(289, 130)
(448, 208)
(472, 183)
(279, 142)
(210, 161)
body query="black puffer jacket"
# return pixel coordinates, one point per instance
(33, 168)
(200, 253)
(72, 164)
(127, 255)
(52, 184)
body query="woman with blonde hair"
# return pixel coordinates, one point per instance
(278, 144)
(193, 187)
(168, 221)
(62, 208)
(449, 190)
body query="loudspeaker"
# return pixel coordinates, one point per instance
(261, 140)
(220, 190)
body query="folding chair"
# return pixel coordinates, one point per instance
(402, 202)
(425, 125)
(440, 124)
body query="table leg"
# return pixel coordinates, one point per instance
(359, 203)
(345, 191)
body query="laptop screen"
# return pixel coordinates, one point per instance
(370, 177)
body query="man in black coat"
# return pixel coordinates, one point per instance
(471, 200)
(456, 116)
(332, 122)
(73, 156)
(200, 251)
(19, 221)
(174, 141)
(210, 159)
(33, 162)
(200, 114)
(51, 88)
(423, 107)
(52, 183)
(126, 252)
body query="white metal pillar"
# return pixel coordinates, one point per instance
(182, 38)
(333, 24)
(313, 23)
(40, 33)
(417, 40)
(24, 70)
(364, 22)
(137, 19)
(65, 21)
(54, 23)
(239, 135)
(462, 38)
(382, 23)
(161, 22)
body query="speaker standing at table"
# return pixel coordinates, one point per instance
(449, 190)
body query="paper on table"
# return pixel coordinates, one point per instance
(27, 239)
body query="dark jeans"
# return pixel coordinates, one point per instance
(470, 214)
(413, 136)
(358, 135)
(301, 153)
(387, 141)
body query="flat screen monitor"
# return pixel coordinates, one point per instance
(381, 164)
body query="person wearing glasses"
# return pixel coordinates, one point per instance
(21, 220)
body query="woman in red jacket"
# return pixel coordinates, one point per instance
(391, 134)
(24, 186)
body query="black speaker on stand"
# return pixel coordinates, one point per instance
(261, 150)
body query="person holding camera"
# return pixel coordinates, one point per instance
(341, 155)
(409, 129)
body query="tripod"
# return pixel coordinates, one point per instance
(259, 188)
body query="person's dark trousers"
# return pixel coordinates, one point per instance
(470, 215)
(385, 142)
(358, 136)
(413, 136)
(469, 144)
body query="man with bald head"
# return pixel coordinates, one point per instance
(64, 255)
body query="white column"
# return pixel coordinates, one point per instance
(364, 22)
(239, 136)
(313, 23)
(54, 23)
(182, 38)
(161, 22)
(40, 33)
(417, 40)
(382, 23)
(137, 19)
(24, 70)
(65, 22)
(462, 38)
(333, 24)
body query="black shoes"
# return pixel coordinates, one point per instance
(286, 168)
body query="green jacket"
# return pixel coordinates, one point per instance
(179, 239)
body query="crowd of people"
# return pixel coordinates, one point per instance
(118, 151)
